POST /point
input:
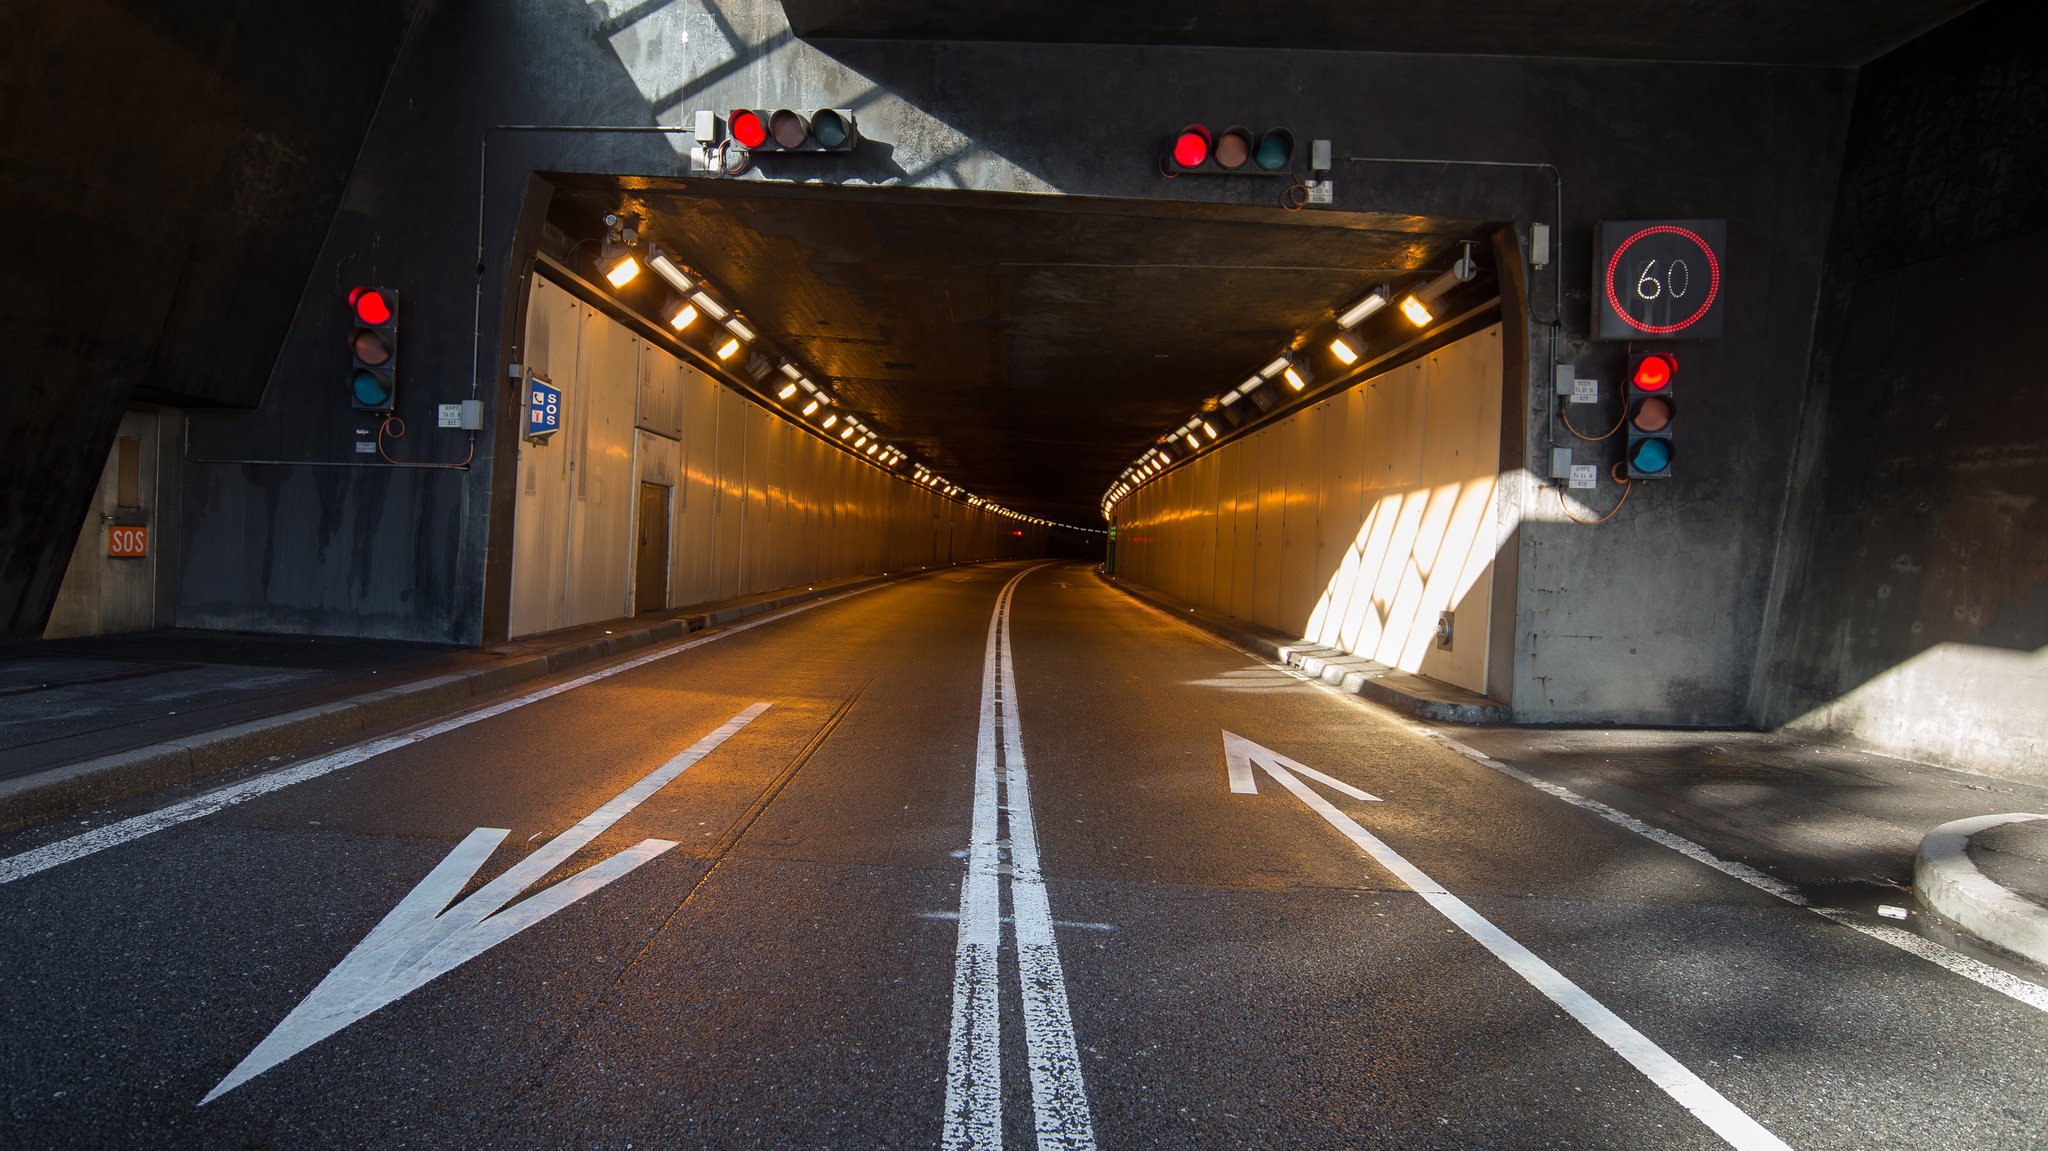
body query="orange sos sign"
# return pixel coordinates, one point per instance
(128, 542)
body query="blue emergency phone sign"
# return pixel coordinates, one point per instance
(543, 408)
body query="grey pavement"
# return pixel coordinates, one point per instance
(90, 722)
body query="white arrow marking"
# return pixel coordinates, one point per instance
(1239, 754)
(1691, 1092)
(424, 937)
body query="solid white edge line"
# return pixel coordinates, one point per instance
(1691, 1092)
(115, 834)
(2004, 982)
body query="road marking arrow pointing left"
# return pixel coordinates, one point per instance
(424, 937)
(1240, 754)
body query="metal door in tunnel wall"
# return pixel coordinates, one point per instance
(650, 568)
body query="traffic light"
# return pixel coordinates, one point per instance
(1652, 380)
(784, 130)
(1233, 151)
(373, 342)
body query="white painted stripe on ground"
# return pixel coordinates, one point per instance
(973, 1067)
(115, 834)
(1728, 1121)
(2004, 982)
(1059, 1098)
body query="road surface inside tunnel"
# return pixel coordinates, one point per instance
(794, 885)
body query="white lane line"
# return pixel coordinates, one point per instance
(973, 1066)
(423, 937)
(2004, 982)
(114, 834)
(1728, 1121)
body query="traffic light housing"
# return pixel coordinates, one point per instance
(787, 130)
(1652, 410)
(1234, 151)
(373, 346)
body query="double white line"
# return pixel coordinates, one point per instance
(974, 1077)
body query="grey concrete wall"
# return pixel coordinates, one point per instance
(166, 172)
(1600, 632)
(1913, 611)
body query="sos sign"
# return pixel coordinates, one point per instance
(1659, 279)
(128, 542)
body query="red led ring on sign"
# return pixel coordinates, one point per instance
(1713, 281)
(748, 129)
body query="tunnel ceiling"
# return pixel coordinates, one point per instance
(1835, 33)
(1027, 347)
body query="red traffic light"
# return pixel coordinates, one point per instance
(1191, 147)
(748, 129)
(370, 306)
(1653, 372)
(1235, 150)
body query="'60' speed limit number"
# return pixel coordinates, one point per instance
(1660, 280)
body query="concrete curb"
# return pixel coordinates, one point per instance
(1405, 692)
(1946, 881)
(59, 791)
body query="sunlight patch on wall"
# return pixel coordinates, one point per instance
(1418, 553)
(1978, 708)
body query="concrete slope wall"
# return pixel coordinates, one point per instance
(1355, 522)
(754, 502)
(167, 172)
(406, 553)
(1913, 610)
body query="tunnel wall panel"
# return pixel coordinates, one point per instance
(757, 504)
(1353, 523)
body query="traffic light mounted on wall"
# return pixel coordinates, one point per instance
(373, 343)
(1652, 409)
(1232, 151)
(786, 130)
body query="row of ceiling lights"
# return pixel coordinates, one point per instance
(812, 402)
(1289, 368)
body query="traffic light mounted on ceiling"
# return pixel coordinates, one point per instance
(1234, 151)
(786, 130)
(373, 346)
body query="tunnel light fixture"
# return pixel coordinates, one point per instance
(622, 270)
(726, 350)
(786, 391)
(1230, 397)
(872, 447)
(1278, 365)
(792, 371)
(1356, 314)
(711, 307)
(861, 442)
(831, 418)
(667, 269)
(1296, 375)
(811, 408)
(807, 385)
(683, 317)
(1342, 349)
(1209, 429)
(1416, 305)
(846, 433)
(739, 329)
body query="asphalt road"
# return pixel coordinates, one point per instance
(853, 943)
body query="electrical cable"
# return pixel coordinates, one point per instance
(1294, 197)
(1627, 486)
(1567, 418)
(398, 433)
